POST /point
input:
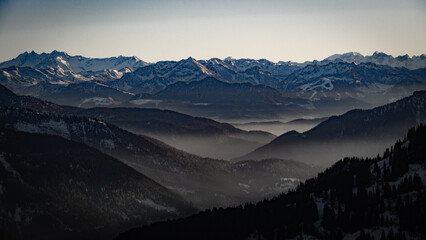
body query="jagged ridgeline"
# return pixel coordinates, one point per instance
(379, 198)
(230, 89)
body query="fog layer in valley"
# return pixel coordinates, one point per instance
(224, 147)
(323, 153)
(231, 146)
(279, 127)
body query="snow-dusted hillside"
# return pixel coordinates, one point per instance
(157, 76)
(369, 82)
(350, 77)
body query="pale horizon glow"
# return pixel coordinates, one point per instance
(298, 31)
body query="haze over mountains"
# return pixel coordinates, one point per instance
(375, 198)
(355, 133)
(200, 136)
(177, 137)
(203, 181)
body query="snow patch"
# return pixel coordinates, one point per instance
(321, 84)
(320, 202)
(52, 127)
(380, 164)
(146, 101)
(405, 144)
(200, 104)
(181, 191)
(98, 101)
(107, 143)
(9, 168)
(243, 185)
(413, 169)
(289, 180)
(148, 202)
(59, 127)
(18, 214)
(26, 127)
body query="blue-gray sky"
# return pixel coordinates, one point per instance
(154, 30)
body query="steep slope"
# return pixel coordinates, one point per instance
(171, 127)
(67, 88)
(355, 132)
(52, 188)
(200, 136)
(380, 58)
(76, 64)
(17, 78)
(155, 77)
(71, 80)
(214, 98)
(213, 91)
(82, 94)
(376, 84)
(380, 198)
(8, 98)
(248, 70)
(203, 181)
(279, 70)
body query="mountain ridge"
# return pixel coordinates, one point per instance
(171, 127)
(365, 199)
(166, 165)
(333, 84)
(375, 127)
(56, 188)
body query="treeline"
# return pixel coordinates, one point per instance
(354, 196)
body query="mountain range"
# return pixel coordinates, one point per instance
(338, 83)
(92, 147)
(200, 136)
(380, 58)
(205, 182)
(74, 64)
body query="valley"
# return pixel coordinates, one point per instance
(129, 143)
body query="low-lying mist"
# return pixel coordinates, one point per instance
(280, 127)
(223, 147)
(322, 153)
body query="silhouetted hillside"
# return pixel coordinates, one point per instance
(379, 198)
(356, 132)
(53, 188)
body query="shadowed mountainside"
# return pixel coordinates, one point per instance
(355, 132)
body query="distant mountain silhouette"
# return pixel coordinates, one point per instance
(355, 132)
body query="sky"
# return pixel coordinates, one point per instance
(278, 30)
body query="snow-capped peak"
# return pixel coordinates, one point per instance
(75, 64)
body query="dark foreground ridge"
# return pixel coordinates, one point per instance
(379, 198)
(53, 188)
